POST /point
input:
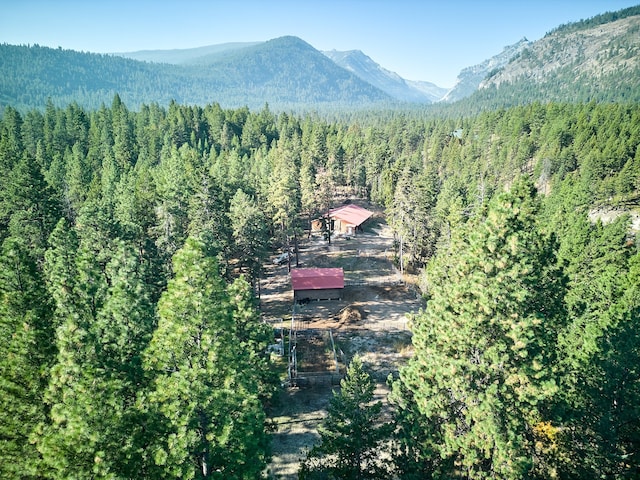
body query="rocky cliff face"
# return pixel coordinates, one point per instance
(470, 78)
(594, 51)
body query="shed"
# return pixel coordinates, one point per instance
(348, 218)
(317, 283)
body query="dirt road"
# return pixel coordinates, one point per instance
(371, 320)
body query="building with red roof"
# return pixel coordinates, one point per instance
(348, 218)
(317, 283)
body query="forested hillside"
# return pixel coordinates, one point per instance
(286, 72)
(132, 245)
(596, 59)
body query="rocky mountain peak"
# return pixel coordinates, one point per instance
(593, 51)
(470, 78)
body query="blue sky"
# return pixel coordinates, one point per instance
(418, 39)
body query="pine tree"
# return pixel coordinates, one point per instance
(174, 186)
(96, 427)
(352, 436)
(30, 207)
(599, 354)
(250, 233)
(252, 336)
(26, 355)
(284, 191)
(604, 425)
(67, 442)
(123, 136)
(11, 147)
(26, 318)
(415, 448)
(78, 178)
(412, 218)
(134, 214)
(485, 345)
(210, 423)
(324, 193)
(208, 220)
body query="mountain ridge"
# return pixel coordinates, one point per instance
(286, 72)
(596, 59)
(184, 56)
(354, 61)
(470, 78)
(390, 82)
(582, 50)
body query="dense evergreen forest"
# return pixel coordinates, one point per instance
(132, 244)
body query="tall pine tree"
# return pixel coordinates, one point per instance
(600, 393)
(353, 434)
(26, 355)
(204, 398)
(485, 345)
(106, 319)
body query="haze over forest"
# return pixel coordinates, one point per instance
(143, 205)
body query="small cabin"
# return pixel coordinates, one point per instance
(348, 219)
(317, 284)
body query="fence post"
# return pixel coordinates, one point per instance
(333, 347)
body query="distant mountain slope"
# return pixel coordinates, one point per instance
(30, 76)
(597, 59)
(365, 68)
(590, 59)
(288, 70)
(432, 90)
(285, 72)
(470, 78)
(185, 56)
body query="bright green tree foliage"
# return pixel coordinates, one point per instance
(250, 233)
(485, 345)
(252, 336)
(96, 429)
(26, 320)
(599, 396)
(203, 396)
(26, 355)
(353, 434)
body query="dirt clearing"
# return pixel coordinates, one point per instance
(370, 320)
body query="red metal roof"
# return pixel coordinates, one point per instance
(351, 214)
(317, 278)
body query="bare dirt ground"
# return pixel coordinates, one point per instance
(371, 320)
